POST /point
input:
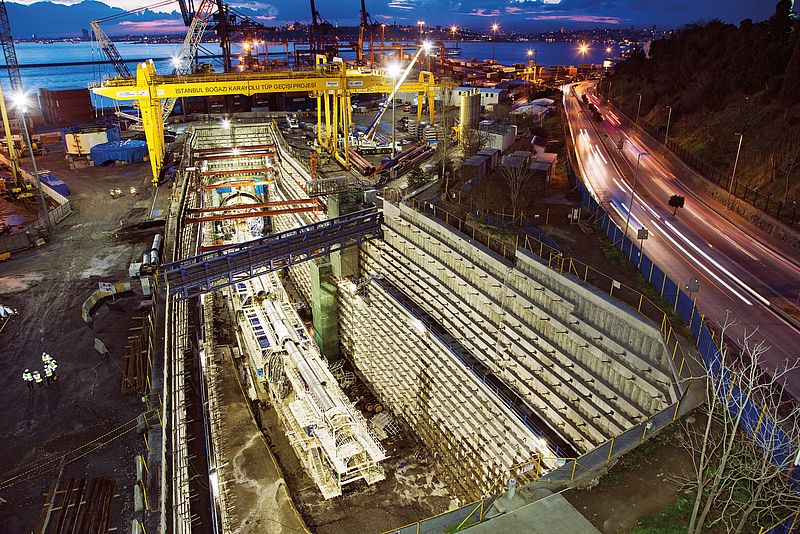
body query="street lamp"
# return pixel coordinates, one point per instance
(420, 23)
(495, 27)
(583, 48)
(608, 50)
(638, 109)
(383, 33)
(453, 30)
(20, 101)
(633, 189)
(393, 70)
(666, 134)
(733, 175)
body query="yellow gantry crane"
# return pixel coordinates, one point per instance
(331, 83)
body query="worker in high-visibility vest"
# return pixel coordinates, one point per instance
(37, 378)
(52, 366)
(48, 374)
(46, 358)
(28, 377)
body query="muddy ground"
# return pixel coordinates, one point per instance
(48, 286)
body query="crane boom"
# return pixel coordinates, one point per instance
(385, 105)
(183, 61)
(7, 42)
(110, 50)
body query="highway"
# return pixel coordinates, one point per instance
(742, 271)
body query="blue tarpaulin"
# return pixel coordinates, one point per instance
(49, 180)
(130, 151)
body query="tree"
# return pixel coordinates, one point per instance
(790, 91)
(472, 141)
(515, 178)
(740, 465)
(785, 158)
(676, 201)
(415, 178)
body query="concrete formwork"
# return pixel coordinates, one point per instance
(472, 434)
(589, 368)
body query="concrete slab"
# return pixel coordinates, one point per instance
(551, 515)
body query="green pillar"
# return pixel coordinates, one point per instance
(341, 264)
(324, 310)
(344, 262)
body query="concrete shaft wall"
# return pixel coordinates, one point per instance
(470, 432)
(589, 368)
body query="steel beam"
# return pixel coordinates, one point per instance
(210, 271)
(250, 214)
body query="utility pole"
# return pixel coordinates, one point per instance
(638, 109)
(22, 106)
(733, 175)
(666, 134)
(633, 192)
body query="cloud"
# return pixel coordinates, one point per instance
(255, 5)
(150, 26)
(481, 12)
(513, 11)
(401, 4)
(595, 19)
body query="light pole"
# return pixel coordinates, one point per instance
(453, 30)
(495, 27)
(420, 23)
(393, 71)
(21, 103)
(666, 134)
(733, 175)
(638, 109)
(633, 189)
(383, 34)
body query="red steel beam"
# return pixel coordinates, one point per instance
(273, 204)
(220, 149)
(260, 170)
(237, 184)
(251, 214)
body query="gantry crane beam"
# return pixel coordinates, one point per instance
(331, 84)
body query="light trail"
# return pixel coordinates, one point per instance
(702, 265)
(733, 277)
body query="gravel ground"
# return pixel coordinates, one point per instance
(48, 286)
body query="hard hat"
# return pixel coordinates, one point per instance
(27, 370)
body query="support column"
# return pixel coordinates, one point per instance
(324, 309)
(152, 117)
(343, 262)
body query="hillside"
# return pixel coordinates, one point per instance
(721, 79)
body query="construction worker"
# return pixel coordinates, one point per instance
(28, 377)
(52, 366)
(46, 358)
(48, 374)
(37, 378)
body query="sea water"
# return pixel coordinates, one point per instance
(81, 76)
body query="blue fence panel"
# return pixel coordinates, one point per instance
(750, 412)
(670, 291)
(645, 266)
(697, 321)
(685, 307)
(772, 438)
(787, 526)
(657, 278)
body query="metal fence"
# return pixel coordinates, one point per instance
(27, 238)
